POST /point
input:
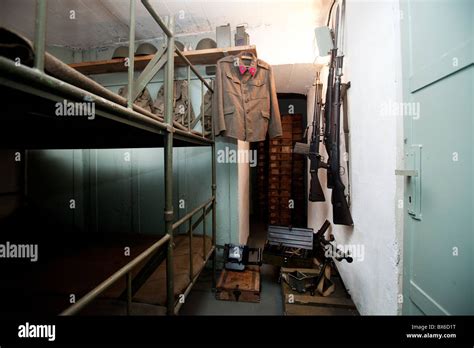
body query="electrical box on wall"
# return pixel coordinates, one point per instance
(324, 41)
(241, 37)
(223, 36)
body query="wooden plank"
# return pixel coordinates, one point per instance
(212, 55)
(153, 290)
(305, 304)
(196, 57)
(316, 300)
(296, 309)
(302, 270)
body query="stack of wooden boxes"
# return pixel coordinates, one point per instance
(262, 182)
(280, 175)
(298, 192)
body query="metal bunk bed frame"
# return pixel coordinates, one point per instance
(111, 110)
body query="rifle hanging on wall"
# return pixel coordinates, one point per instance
(340, 207)
(316, 193)
(331, 132)
(328, 131)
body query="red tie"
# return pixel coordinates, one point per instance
(243, 69)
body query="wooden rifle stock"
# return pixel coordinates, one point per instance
(341, 211)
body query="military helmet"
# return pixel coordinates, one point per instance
(205, 44)
(120, 52)
(179, 45)
(145, 49)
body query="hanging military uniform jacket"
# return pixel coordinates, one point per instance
(207, 117)
(143, 99)
(181, 103)
(245, 104)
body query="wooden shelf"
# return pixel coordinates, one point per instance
(198, 57)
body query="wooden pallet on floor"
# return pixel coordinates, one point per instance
(295, 303)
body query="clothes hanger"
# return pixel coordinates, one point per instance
(246, 55)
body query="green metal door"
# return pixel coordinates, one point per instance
(438, 77)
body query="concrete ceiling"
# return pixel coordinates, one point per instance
(294, 78)
(97, 23)
(281, 29)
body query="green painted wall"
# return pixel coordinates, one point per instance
(122, 190)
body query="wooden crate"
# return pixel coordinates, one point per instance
(287, 127)
(296, 117)
(281, 157)
(281, 171)
(285, 185)
(273, 186)
(239, 286)
(285, 140)
(279, 193)
(282, 215)
(280, 164)
(273, 200)
(298, 137)
(277, 172)
(279, 179)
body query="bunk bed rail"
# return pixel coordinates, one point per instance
(124, 271)
(169, 34)
(189, 215)
(205, 209)
(144, 78)
(160, 58)
(136, 86)
(129, 114)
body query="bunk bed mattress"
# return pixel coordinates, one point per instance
(154, 289)
(51, 286)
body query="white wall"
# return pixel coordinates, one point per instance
(243, 194)
(373, 66)
(286, 34)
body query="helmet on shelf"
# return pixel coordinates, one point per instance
(179, 45)
(145, 49)
(205, 44)
(120, 52)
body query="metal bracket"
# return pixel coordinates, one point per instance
(168, 215)
(196, 120)
(406, 172)
(413, 160)
(169, 128)
(152, 68)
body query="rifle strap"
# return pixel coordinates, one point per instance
(345, 114)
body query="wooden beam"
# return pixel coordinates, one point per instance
(196, 57)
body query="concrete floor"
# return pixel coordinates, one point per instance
(201, 301)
